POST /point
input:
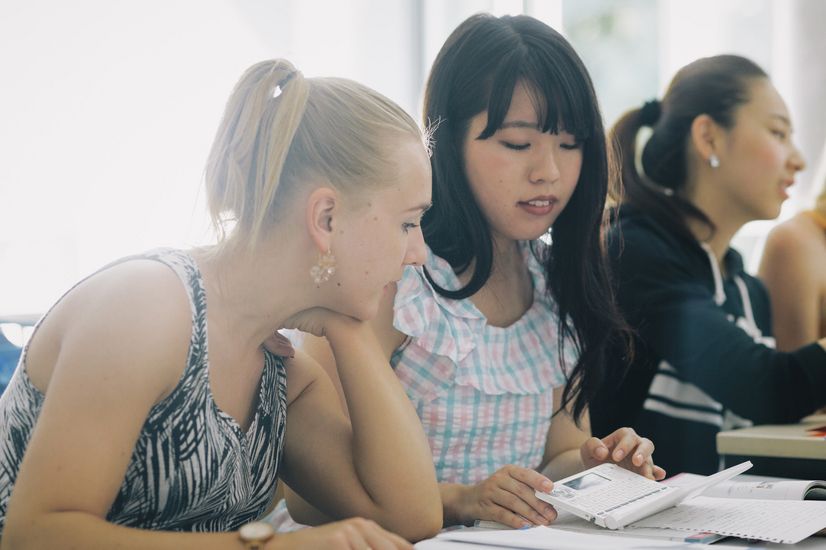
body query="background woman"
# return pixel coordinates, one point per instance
(721, 154)
(793, 267)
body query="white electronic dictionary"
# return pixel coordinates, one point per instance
(613, 497)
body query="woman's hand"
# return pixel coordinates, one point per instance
(623, 447)
(354, 533)
(506, 497)
(326, 323)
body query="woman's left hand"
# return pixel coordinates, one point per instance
(626, 448)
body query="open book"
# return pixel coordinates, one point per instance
(611, 497)
(756, 488)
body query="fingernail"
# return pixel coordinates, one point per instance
(618, 454)
(638, 459)
(526, 526)
(547, 486)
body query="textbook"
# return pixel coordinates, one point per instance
(765, 489)
(611, 497)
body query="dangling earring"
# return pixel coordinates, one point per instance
(713, 161)
(324, 269)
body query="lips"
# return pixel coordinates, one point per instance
(784, 188)
(539, 206)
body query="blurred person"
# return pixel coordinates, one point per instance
(720, 155)
(793, 267)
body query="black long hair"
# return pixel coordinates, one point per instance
(477, 70)
(714, 86)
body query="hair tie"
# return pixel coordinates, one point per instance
(650, 112)
(283, 82)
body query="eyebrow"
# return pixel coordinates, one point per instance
(782, 118)
(520, 124)
(423, 207)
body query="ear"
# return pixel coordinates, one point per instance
(323, 206)
(706, 137)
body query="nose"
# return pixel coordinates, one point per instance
(796, 159)
(416, 252)
(544, 166)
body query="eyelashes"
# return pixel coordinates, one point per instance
(523, 146)
(515, 146)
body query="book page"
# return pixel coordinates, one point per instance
(785, 522)
(746, 486)
(548, 538)
(766, 490)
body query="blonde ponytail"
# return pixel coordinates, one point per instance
(245, 164)
(279, 129)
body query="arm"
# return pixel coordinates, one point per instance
(790, 274)
(120, 352)
(676, 316)
(461, 503)
(381, 467)
(570, 448)
(562, 457)
(319, 350)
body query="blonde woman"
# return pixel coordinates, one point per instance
(157, 410)
(794, 270)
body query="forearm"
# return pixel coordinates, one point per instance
(761, 384)
(390, 452)
(82, 530)
(563, 465)
(453, 504)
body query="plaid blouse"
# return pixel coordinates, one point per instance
(483, 393)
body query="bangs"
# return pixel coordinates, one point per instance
(562, 98)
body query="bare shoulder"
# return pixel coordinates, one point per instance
(797, 233)
(131, 320)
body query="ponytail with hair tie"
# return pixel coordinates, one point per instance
(650, 112)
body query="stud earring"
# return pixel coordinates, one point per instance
(324, 269)
(713, 161)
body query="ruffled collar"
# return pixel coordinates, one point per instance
(443, 275)
(520, 358)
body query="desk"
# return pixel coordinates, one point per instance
(787, 450)
(811, 543)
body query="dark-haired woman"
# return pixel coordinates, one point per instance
(720, 155)
(475, 334)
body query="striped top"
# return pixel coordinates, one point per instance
(192, 468)
(483, 393)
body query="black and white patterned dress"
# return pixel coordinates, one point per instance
(192, 468)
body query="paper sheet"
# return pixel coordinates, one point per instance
(770, 520)
(548, 538)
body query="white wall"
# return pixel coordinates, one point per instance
(108, 109)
